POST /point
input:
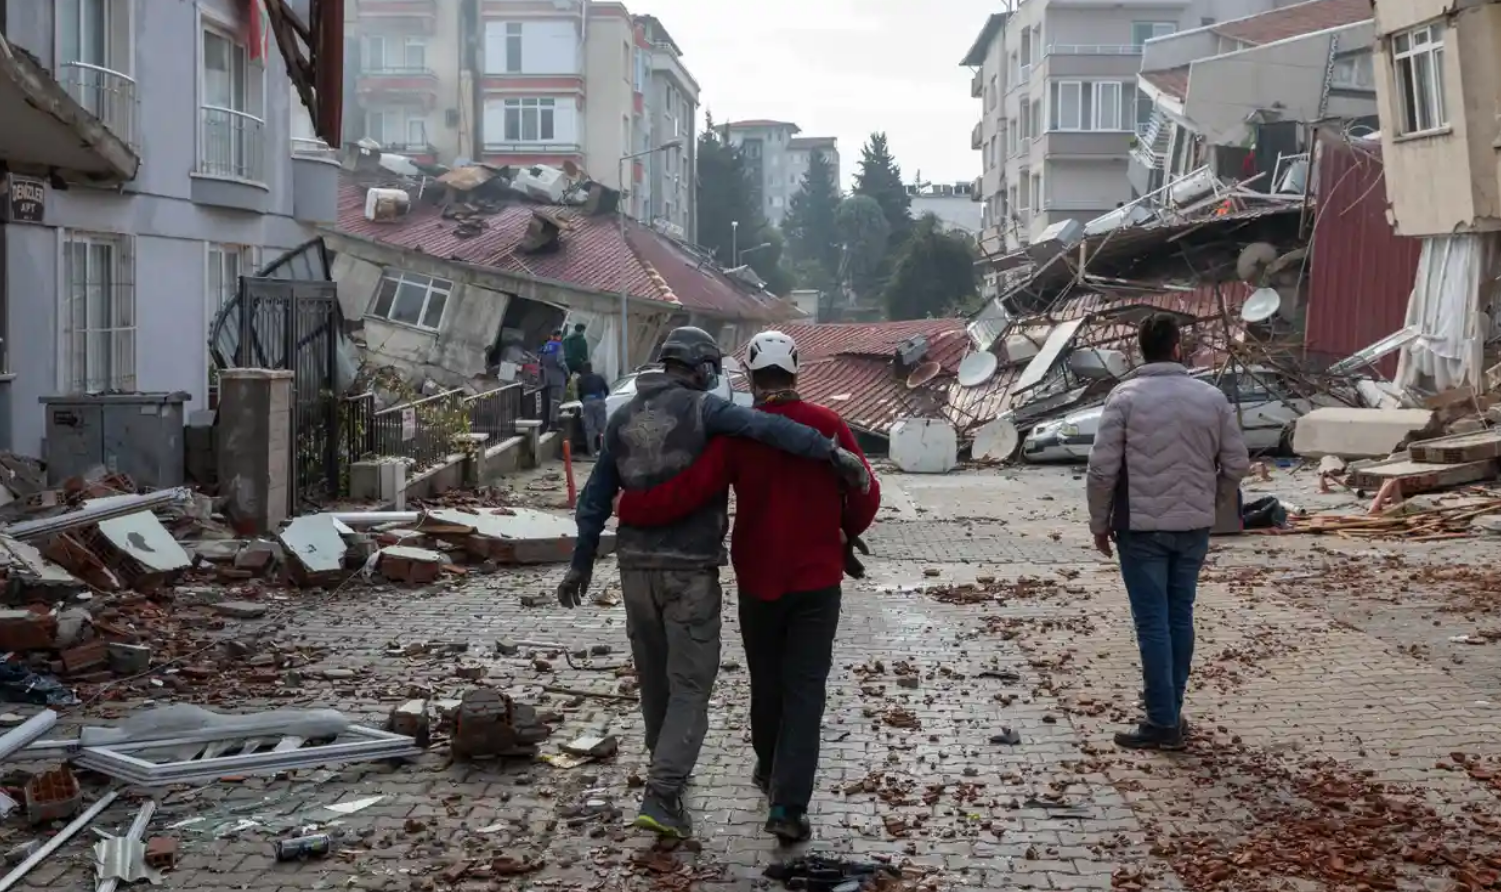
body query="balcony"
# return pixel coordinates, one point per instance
(44, 125)
(977, 85)
(1108, 60)
(977, 136)
(401, 16)
(1093, 49)
(315, 181)
(1085, 143)
(976, 188)
(394, 84)
(231, 169)
(108, 95)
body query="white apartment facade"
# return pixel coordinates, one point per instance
(111, 284)
(777, 159)
(518, 82)
(1060, 109)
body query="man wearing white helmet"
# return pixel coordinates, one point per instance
(788, 548)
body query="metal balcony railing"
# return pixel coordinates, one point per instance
(109, 95)
(306, 147)
(397, 71)
(232, 144)
(1093, 49)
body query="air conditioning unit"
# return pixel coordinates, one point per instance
(545, 184)
(1192, 187)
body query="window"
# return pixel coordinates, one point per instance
(226, 263)
(513, 47)
(384, 54)
(1026, 47)
(1026, 193)
(232, 129)
(416, 132)
(1068, 106)
(1107, 105)
(1354, 72)
(1037, 190)
(994, 92)
(1087, 106)
(531, 120)
(1141, 32)
(1418, 61)
(1027, 132)
(1014, 132)
(416, 54)
(411, 299)
(1034, 124)
(1145, 108)
(99, 337)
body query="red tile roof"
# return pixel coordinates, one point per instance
(1296, 20)
(594, 256)
(1172, 81)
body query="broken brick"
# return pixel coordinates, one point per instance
(161, 852)
(26, 630)
(86, 656)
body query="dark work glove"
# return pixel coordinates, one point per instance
(571, 589)
(853, 568)
(852, 471)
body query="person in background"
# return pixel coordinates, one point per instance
(576, 350)
(554, 379)
(592, 392)
(788, 548)
(1167, 449)
(669, 575)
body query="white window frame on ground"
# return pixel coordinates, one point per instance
(1418, 68)
(98, 313)
(399, 290)
(1141, 32)
(543, 115)
(232, 127)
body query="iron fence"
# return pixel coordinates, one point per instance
(425, 431)
(495, 412)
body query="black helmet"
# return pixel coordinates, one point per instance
(692, 347)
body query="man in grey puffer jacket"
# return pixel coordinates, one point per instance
(1168, 446)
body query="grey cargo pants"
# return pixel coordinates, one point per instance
(673, 620)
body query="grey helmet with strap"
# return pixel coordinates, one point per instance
(694, 349)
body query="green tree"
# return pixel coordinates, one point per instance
(810, 226)
(880, 178)
(864, 236)
(725, 198)
(934, 272)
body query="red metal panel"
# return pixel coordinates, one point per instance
(1361, 270)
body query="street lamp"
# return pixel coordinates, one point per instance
(734, 242)
(760, 247)
(625, 340)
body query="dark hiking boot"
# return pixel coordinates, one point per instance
(664, 815)
(789, 825)
(1150, 737)
(761, 777)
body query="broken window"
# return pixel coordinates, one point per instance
(411, 299)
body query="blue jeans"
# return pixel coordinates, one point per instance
(1161, 573)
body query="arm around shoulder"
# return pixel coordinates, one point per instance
(723, 418)
(859, 507)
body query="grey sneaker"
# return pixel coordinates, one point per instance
(664, 815)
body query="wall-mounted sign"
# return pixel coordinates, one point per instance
(25, 199)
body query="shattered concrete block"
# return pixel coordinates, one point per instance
(25, 630)
(1359, 433)
(241, 609)
(161, 852)
(410, 718)
(257, 557)
(128, 659)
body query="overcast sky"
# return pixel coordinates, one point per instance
(841, 68)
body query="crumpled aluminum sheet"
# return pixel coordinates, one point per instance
(123, 860)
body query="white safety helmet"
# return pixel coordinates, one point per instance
(772, 350)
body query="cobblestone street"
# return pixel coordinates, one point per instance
(1307, 651)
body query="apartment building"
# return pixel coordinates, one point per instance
(163, 167)
(533, 82)
(1059, 105)
(777, 159)
(955, 205)
(1437, 77)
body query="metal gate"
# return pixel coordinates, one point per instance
(293, 325)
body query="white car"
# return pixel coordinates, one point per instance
(732, 385)
(1266, 419)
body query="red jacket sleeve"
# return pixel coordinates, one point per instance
(710, 474)
(859, 508)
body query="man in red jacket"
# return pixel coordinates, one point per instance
(788, 547)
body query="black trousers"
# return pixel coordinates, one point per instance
(789, 649)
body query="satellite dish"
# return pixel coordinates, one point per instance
(977, 368)
(1253, 261)
(995, 441)
(1262, 305)
(924, 373)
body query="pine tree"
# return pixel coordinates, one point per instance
(880, 178)
(810, 226)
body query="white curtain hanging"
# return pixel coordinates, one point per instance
(1445, 308)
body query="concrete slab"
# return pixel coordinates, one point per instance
(1358, 433)
(510, 535)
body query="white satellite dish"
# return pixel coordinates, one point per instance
(995, 440)
(1262, 305)
(977, 368)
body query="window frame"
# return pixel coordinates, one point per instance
(431, 286)
(74, 371)
(1405, 73)
(1099, 106)
(1057, 105)
(1155, 29)
(544, 110)
(514, 54)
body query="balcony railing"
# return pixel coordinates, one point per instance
(109, 95)
(1093, 49)
(232, 145)
(305, 147)
(397, 71)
